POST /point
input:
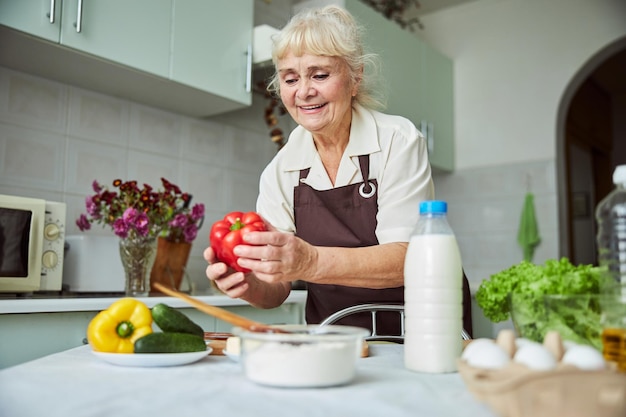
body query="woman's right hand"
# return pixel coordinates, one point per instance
(232, 283)
(245, 286)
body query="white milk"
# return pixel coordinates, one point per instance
(433, 279)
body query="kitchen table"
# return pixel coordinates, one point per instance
(62, 321)
(77, 383)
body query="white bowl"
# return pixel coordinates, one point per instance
(310, 356)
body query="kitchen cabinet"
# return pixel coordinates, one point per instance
(133, 33)
(418, 81)
(212, 46)
(40, 18)
(116, 30)
(188, 56)
(437, 107)
(51, 326)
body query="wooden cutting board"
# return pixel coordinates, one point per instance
(217, 341)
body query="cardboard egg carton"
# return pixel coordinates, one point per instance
(517, 391)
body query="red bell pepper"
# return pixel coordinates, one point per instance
(226, 234)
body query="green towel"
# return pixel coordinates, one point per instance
(528, 234)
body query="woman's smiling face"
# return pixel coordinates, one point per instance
(317, 91)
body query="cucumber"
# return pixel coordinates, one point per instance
(169, 343)
(172, 320)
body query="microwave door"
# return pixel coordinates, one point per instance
(15, 227)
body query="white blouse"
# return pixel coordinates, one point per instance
(398, 161)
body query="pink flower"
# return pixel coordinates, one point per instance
(120, 228)
(96, 187)
(197, 212)
(83, 223)
(142, 223)
(190, 233)
(92, 207)
(179, 221)
(184, 226)
(133, 212)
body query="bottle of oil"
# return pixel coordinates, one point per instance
(611, 234)
(611, 242)
(614, 346)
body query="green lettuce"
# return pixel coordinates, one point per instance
(519, 291)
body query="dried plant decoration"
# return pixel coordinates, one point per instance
(397, 11)
(273, 111)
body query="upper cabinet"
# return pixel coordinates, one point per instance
(188, 56)
(116, 30)
(40, 18)
(212, 46)
(437, 85)
(418, 81)
(134, 33)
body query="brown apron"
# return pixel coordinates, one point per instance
(343, 217)
(346, 217)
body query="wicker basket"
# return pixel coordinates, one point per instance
(516, 391)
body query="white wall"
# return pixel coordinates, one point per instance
(513, 60)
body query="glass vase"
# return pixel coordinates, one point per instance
(137, 255)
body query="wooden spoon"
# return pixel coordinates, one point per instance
(220, 313)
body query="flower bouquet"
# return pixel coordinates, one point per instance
(139, 216)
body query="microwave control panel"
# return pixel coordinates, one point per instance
(53, 246)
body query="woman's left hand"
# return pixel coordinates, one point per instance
(275, 256)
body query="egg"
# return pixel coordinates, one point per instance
(535, 356)
(568, 344)
(521, 341)
(506, 340)
(485, 354)
(475, 345)
(552, 341)
(584, 357)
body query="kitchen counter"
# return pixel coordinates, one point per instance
(77, 383)
(74, 302)
(40, 325)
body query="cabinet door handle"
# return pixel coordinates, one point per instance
(431, 137)
(51, 14)
(428, 131)
(249, 69)
(79, 17)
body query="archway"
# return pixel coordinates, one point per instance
(588, 147)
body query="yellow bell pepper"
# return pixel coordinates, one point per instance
(116, 328)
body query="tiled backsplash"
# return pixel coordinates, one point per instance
(56, 139)
(485, 206)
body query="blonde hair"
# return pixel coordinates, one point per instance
(329, 31)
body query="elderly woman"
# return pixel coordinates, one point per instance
(341, 198)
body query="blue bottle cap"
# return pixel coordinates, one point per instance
(434, 206)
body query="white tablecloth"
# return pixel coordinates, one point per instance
(77, 383)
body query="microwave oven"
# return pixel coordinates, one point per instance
(32, 237)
